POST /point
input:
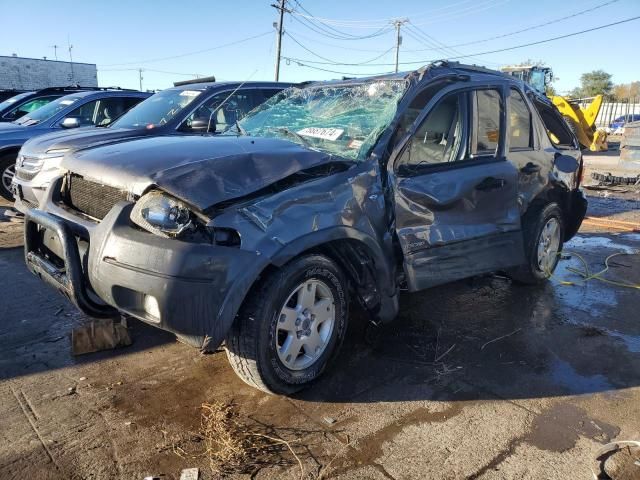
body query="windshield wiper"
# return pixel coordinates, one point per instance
(291, 133)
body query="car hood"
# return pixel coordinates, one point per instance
(6, 127)
(202, 171)
(77, 139)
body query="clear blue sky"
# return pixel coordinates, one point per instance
(122, 36)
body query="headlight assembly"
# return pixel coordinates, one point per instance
(161, 214)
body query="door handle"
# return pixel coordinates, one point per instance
(530, 168)
(491, 183)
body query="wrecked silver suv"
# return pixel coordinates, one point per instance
(326, 193)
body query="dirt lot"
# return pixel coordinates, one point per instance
(478, 379)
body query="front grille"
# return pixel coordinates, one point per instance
(91, 198)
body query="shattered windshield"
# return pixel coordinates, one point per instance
(344, 120)
(158, 109)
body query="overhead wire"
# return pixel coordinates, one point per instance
(333, 62)
(515, 47)
(196, 52)
(523, 30)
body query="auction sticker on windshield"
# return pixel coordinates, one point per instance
(190, 93)
(324, 133)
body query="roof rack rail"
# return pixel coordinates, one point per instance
(195, 80)
(474, 68)
(78, 87)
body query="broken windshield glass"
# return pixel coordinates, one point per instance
(344, 120)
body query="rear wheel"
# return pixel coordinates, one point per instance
(7, 172)
(290, 327)
(543, 232)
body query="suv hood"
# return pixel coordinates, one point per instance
(202, 171)
(6, 127)
(78, 139)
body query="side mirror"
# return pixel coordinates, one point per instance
(566, 164)
(70, 122)
(201, 125)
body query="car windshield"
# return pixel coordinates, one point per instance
(344, 120)
(49, 110)
(12, 100)
(158, 109)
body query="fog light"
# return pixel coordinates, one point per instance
(151, 306)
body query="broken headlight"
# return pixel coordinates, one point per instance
(161, 214)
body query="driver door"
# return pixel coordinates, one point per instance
(455, 192)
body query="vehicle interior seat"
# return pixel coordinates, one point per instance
(436, 135)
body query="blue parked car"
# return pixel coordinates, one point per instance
(79, 109)
(620, 121)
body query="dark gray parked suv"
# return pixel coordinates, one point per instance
(334, 191)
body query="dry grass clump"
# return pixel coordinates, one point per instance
(231, 445)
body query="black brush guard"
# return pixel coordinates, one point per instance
(69, 280)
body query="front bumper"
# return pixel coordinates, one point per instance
(190, 289)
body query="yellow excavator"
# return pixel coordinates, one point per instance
(581, 120)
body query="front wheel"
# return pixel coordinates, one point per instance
(543, 232)
(291, 326)
(7, 172)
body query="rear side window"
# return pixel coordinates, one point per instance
(520, 137)
(555, 126)
(486, 131)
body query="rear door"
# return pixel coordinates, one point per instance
(455, 193)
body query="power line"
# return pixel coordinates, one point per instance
(301, 64)
(478, 7)
(333, 62)
(138, 62)
(516, 32)
(332, 32)
(150, 70)
(375, 23)
(515, 47)
(342, 47)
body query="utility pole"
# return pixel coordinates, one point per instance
(55, 50)
(73, 75)
(398, 23)
(140, 77)
(281, 8)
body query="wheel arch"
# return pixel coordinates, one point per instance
(558, 193)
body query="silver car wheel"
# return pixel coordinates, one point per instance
(7, 176)
(548, 246)
(305, 324)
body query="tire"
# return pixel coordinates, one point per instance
(7, 168)
(257, 344)
(534, 222)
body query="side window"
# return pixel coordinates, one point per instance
(439, 137)
(85, 113)
(519, 122)
(111, 108)
(221, 110)
(486, 128)
(28, 107)
(557, 130)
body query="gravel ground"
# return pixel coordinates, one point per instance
(478, 379)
